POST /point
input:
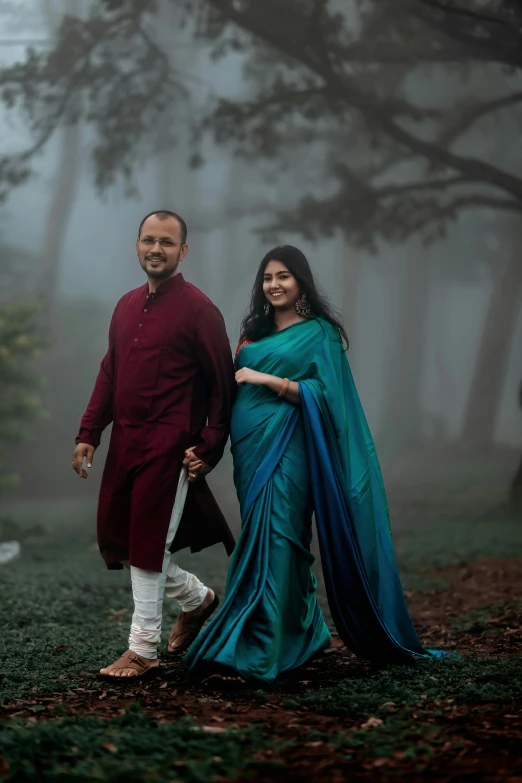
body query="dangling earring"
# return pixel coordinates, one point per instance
(302, 307)
(267, 309)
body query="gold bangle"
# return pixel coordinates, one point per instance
(284, 388)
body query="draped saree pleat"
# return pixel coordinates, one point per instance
(288, 461)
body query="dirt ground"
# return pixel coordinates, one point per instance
(468, 736)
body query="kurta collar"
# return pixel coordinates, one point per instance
(172, 284)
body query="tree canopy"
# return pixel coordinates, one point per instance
(391, 116)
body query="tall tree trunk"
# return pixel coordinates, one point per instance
(60, 210)
(515, 492)
(64, 192)
(491, 364)
(402, 410)
(352, 261)
(439, 427)
(176, 182)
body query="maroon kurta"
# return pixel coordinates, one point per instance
(166, 383)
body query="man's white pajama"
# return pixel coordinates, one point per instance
(149, 587)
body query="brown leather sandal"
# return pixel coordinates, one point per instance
(144, 667)
(188, 627)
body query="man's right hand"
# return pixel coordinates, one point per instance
(82, 452)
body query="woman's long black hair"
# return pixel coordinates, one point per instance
(257, 323)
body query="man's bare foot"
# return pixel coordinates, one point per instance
(132, 666)
(189, 624)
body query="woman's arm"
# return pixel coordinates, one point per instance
(245, 375)
(292, 391)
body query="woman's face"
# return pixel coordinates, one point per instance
(280, 286)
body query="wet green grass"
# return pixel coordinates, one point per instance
(402, 712)
(58, 599)
(129, 748)
(478, 620)
(61, 614)
(61, 619)
(459, 679)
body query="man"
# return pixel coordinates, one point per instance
(167, 384)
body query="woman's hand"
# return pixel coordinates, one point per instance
(244, 375)
(196, 468)
(272, 382)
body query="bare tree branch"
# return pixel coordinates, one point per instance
(425, 184)
(493, 37)
(504, 17)
(376, 115)
(78, 63)
(453, 209)
(326, 83)
(474, 113)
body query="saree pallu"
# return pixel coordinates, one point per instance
(289, 461)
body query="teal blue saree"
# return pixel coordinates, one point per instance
(289, 462)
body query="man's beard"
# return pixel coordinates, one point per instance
(163, 272)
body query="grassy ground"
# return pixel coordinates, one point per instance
(63, 616)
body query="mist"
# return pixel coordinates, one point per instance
(382, 139)
(421, 285)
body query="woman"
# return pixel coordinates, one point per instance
(300, 442)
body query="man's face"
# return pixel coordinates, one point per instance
(160, 247)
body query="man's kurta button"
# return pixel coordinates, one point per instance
(140, 325)
(145, 310)
(135, 339)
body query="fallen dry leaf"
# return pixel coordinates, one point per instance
(371, 723)
(110, 747)
(118, 614)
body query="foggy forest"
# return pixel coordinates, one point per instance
(382, 138)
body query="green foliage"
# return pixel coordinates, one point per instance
(61, 621)
(419, 686)
(478, 620)
(129, 748)
(59, 593)
(20, 342)
(57, 609)
(402, 711)
(83, 78)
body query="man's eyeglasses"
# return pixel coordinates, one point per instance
(164, 242)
